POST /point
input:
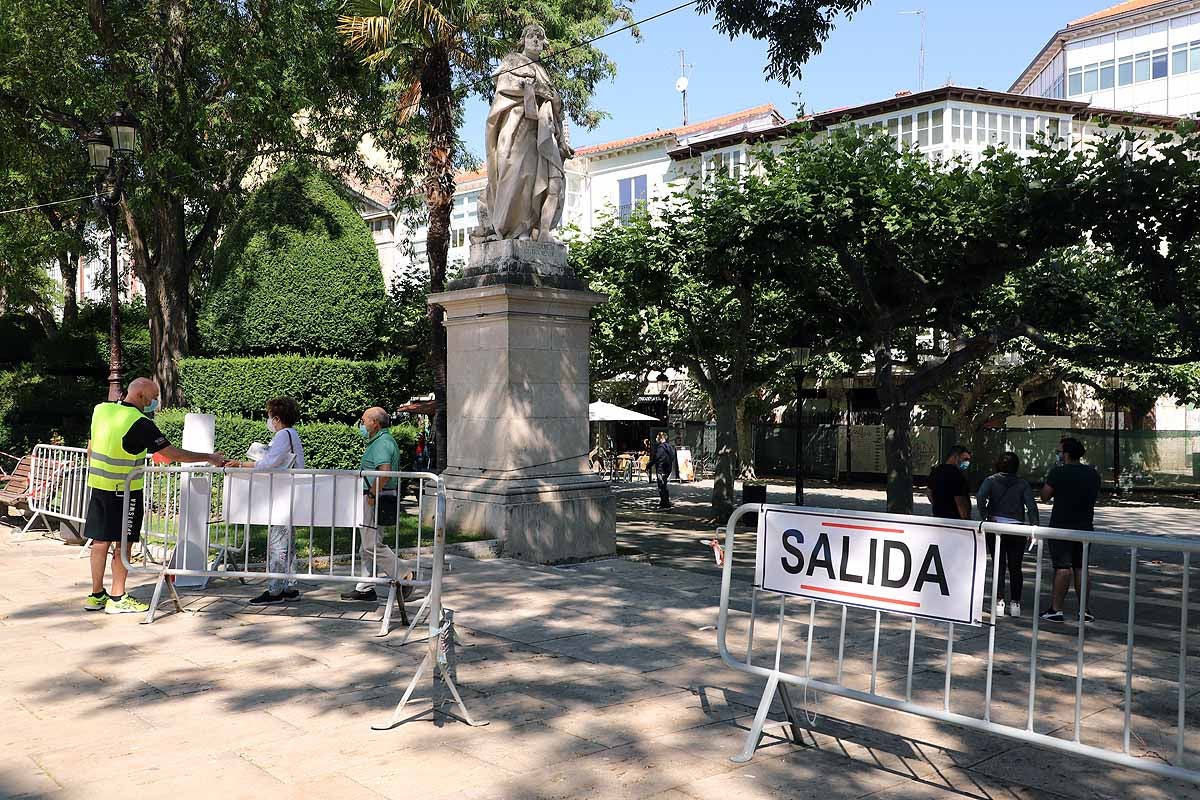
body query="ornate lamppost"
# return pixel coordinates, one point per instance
(801, 354)
(110, 155)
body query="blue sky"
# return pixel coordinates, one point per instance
(870, 57)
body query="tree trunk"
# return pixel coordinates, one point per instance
(168, 305)
(726, 408)
(68, 265)
(897, 421)
(745, 441)
(439, 200)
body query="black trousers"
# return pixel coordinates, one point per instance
(661, 476)
(1011, 555)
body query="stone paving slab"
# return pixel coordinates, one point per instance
(598, 680)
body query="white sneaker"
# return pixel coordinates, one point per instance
(999, 608)
(1014, 609)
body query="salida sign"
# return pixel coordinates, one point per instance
(931, 568)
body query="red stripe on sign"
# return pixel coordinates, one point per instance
(907, 603)
(860, 527)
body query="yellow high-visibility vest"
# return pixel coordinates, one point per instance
(109, 464)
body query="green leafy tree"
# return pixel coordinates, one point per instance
(219, 87)
(715, 271)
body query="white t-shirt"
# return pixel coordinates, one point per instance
(279, 452)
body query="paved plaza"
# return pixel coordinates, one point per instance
(599, 680)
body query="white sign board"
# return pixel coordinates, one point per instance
(919, 566)
(273, 497)
(195, 495)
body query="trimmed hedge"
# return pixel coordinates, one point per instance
(326, 445)
(296, 273)
(328, 389)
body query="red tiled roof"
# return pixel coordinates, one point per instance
(378, 190)
(1119, 8)
(684, 130)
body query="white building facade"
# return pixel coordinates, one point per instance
(1140, 55)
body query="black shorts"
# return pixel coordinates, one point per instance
(105, 515)
(1064, 554)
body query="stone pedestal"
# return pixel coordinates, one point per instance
(517, 327)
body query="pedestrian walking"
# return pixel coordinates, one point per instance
(284, 452)
(948, 492)
(121, 436)
(664, 462)
(380, 505)
(1073, 487)
(1007, 498)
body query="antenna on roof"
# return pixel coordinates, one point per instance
(681, 85)
(920, 12)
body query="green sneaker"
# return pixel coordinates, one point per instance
(126, 605)
(92, 603)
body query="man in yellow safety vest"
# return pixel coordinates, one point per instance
(121, 437)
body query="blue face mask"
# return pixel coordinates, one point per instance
(150, 409)
(363, 432)
(964, 465)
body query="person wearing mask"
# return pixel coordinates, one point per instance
(381, 505)
(948, 492)
(121, 436)
(1074, 487)
(664, 463)
(285, 452)
(1004, 497)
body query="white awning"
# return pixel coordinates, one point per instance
(607, 412)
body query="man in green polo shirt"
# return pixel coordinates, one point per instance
(381, 505)
(121, 437)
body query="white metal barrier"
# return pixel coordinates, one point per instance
(1033, 730)
(203, 522)
(58, 484)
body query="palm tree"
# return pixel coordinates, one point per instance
(419, 43)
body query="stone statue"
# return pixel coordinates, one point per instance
(526, 147)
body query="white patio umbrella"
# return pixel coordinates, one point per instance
(607, 412)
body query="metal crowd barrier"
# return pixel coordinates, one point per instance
(1178, 767)
(202, 523)
(58, 484)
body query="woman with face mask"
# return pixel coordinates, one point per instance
(1006, 497)
(284, 452)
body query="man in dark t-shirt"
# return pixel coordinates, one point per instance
(948, 491)
(121, 436)
(1074, 488)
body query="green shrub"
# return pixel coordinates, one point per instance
(331, 389)
(81, 348)
(326, 445)
(18, 335)
(40, 408)
(297, 272)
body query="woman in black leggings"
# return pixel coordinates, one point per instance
(1004, 497)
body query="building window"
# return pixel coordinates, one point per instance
(458, 237)
(923, 129)
(1158, 64)
(1194, 59)
(1141, 67)
(1179, 59)
(906, 130)
(893, 128)
(1125, 71)
(1106, 75)
(631, 193)
(1075, 81)
(1091, 78)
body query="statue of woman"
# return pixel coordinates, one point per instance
(525, 148)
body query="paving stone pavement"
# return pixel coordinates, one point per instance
(599, 680)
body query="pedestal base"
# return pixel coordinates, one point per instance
(546, 520)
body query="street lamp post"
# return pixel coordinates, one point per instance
(108, 154)
(1116, 384)
(800, 356)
